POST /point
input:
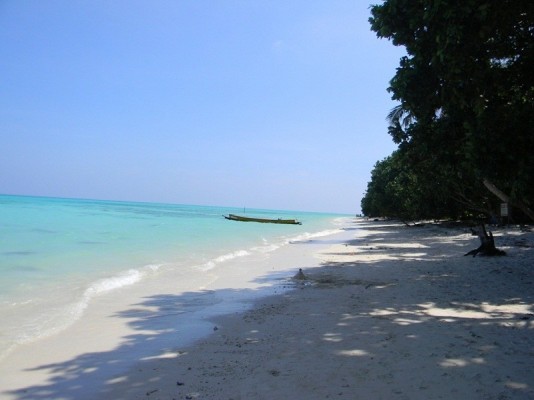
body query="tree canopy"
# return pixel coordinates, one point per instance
(464, 124)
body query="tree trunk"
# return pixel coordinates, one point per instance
(487, 244)
(497, 192)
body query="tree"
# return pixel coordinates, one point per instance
(400, 188)
(466, 94)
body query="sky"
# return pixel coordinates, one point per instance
(271, 104)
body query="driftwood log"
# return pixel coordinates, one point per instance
(487, 244)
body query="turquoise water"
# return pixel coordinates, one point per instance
(56, 255)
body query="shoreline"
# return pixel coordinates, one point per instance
(135, 322)
(61, 255)
(393, 312)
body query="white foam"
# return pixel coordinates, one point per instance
(225, 257)
(342, 221)
(61, 317)
(105, 285)
(307, 236)
(266, 248)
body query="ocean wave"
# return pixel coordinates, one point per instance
(61, 317)
(267, 248)
(307, 236)
(105, 285)
(122, 279)
(225, 257)
(342, 221)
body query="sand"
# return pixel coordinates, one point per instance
(391, 313)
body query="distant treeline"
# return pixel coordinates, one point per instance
(465, 120)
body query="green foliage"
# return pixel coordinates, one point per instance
(400, 188)
(466, 112)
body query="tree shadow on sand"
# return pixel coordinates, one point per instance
(457, 326)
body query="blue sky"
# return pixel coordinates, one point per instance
(270, 104)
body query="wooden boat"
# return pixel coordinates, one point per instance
(233, 217)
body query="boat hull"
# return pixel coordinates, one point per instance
(233, 217)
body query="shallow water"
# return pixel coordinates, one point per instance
(57, 256)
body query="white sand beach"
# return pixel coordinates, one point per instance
(392, 313)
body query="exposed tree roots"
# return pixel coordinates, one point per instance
(487, 244)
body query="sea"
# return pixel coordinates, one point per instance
(58, 255)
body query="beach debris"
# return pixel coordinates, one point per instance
(487, 244)
(215, 328)
(178, 383)
(300, 276)
(151, 392)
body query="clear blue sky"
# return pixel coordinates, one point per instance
(276, 104)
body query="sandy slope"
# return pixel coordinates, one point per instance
(398, 313)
